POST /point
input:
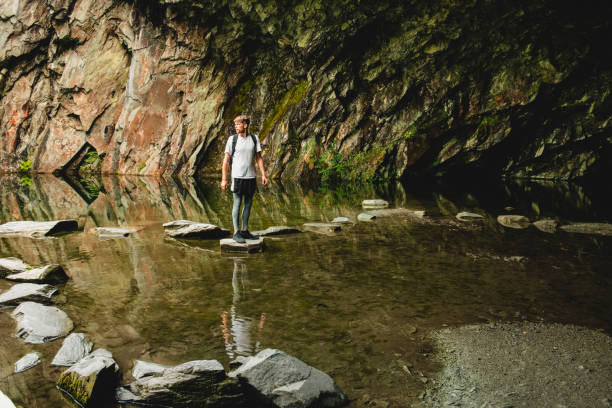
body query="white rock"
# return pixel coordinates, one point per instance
(110, 232)
(251, 245)
(276, 230)
(595, 228)
(145, 369)
(75, 347)
(342, 220)
(468, 216)
(190, 229)
(5, 402)
(12, 265)
(374, 203)
(45, 274)
(321, 227)
(37, 323)
(23, 292)
(514, 221)
(26, 362)
(366, 217)
(37, 228)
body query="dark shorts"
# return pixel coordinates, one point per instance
(245, 187)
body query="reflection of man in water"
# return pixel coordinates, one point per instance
(237, 331)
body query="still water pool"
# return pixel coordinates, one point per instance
(357, 304)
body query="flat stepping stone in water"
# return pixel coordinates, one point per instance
(342, 220)
(250, 246)
(321, 227)
(145, 369)
(366, 217)
(110, 233)
(276, 230)
(75, 347)
(26, 362)
(397, 212)
(374, 203)
(468, 216)
(190, 229)
(12, 265)
(5, 402)
(24, 292)
(38, 323)
(37, 229)
(514, 221)
(595, 228)
(548, 226)
(45, 274)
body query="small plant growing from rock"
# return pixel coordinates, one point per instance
(25, 166)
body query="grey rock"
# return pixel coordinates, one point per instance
(468, 216)
(321, 227)
(366, 217)
(398, 212)
(238, 361)
(145, 369)
(250, 246)
(276, 230)
(193, 384)
(74, 348)
(26, 362)
(190, 229)
(24, 292)
(12, 265)
(5, 402)
(110, 233)
(374, 203)
(286, 381)
(45, 274)
(342, 220)
(548, 226)
(37, 323)
(594, 228)
(92, 380)
(37, 229)
(514, 221)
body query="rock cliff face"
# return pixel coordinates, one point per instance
(336, 90)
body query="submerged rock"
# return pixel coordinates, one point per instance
(285, 381)
(23, 292)
(276, 230)
(514, 221)
(342, 220)
(398, 212)
(190, 229)
(92, 380)
(45, 274)
(468, 216)
(549, 226)
(366, 217)
(37, 228)
(145, 369)
(374, 203)
(74, 348)
(595, 228)
(12, 265)
(321, 227)
(26, 362)
(37, 323)
(109, 232)
(5, 402)
(200, 383)
(251, 245)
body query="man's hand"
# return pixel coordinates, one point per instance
(223, 184)
(264, 180)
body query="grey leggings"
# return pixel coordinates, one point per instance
(246, 210)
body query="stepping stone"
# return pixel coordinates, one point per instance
(250, 246)
(5, 402)
(190, 229)
(27, 292)
(276, 230)
(397, 212)
(321, 227)
(374, 203)
(75, 347)
(45, 274)
(12, 265)
(342, 220)
(110, 233)
(468, 216)
(548, 226)
(37, 229)
(146, 369)
(366, 217)
(26, 362)
(514, 221)
(37, 323)
(595, 228)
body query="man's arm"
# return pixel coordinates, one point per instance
(224, 171)
(260, 163)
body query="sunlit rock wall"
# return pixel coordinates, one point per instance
(360, 89)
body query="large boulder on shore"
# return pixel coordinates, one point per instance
(199, 383)
(12, 265)
(92, 380)
(37, 229)
(38, 323)
(24, 292)
(284, 381)
(74, 348)
(190, 229)
(45, 274)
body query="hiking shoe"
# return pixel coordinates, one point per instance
(238, 238)
(247, 235)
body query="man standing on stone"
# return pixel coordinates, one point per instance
(243, 150)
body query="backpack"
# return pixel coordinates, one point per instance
(234, 141)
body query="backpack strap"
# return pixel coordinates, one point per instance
(254, 144)
(234, 141)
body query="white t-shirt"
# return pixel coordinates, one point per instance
(243, 163)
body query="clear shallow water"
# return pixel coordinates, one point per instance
(357, 304)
